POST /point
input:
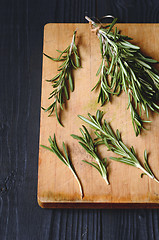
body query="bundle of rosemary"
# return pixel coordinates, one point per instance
(105, 135)
(71, 60)
(129, 70)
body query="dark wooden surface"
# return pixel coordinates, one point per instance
(21, 34)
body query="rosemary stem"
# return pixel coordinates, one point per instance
(156, 180)
(77, 179)
(105, 178)
(103, 174)
(147, 173)
(102, 70)
(72, 43)
(90, 20)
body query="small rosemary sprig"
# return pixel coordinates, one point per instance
(114, 143)
(89, 145)
(64, 158)
(71, 60)
(129, 70)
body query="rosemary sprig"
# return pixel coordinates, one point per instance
(89, 145)
(129, 70)
(64, 158)
(71, 60)
(114, 143)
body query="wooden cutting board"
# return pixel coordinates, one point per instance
(56, 185)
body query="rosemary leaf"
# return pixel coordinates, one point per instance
(89, 145)
(70, 60)
(64, 158)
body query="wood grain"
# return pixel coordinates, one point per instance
(143, 11)
(55, 182)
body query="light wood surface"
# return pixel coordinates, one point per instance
(56, 183)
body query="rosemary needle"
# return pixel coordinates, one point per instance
(64, 158)
(70, 60)
(129, 70)
(89, 145)
(114, 143)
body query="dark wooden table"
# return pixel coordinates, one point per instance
(21, 39)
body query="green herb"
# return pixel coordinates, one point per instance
(124, 67)
(89, 145)
(71, 60)
(105, 135)
(64, 158)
